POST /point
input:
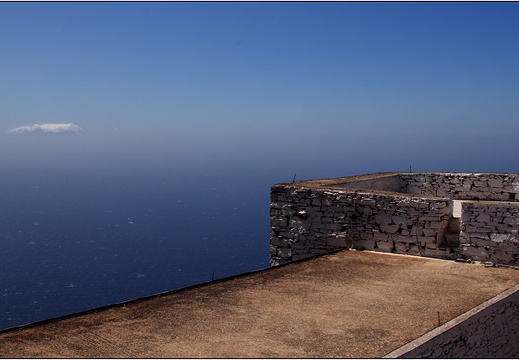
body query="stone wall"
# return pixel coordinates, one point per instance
(406, 213)
(462, 186)
(308, 222)
(490, 330)
(382, 182)
(489, 232)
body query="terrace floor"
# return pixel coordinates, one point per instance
(348, 304)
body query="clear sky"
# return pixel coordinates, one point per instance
(345, 86)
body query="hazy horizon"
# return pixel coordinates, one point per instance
(342, 87)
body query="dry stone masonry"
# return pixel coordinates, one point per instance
(489, 232)
(398, 212)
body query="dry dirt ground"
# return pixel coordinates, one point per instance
(348, 304)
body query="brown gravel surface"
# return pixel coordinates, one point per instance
(348, 304)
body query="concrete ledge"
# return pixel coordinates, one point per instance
(489, 330)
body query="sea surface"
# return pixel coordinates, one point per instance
(77, 241)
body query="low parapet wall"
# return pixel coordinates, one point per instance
(490, 330)
(308, 222)
(397, 212)
(463, 186)
(489, 232)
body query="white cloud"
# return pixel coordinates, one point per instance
(47, 128)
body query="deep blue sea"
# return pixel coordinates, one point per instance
(77, 241)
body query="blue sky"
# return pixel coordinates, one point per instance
(345, 86)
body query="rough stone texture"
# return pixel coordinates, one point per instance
(309, 222)
(463, 186)
(489, 232)
(397, 212)
(490, 330)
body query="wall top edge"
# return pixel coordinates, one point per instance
(324, 183)
(366, 192)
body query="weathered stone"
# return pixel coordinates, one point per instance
(295, 222)
(495, 182)
(401, 220)
(389, 229)
(401, 247)
(278, 241)
(483, 218)
(337, 241)
(425, 239)
(284, 253)
(383, 219)
(437, 252)
(368, 202)
(499, 237)
(406, 220)
(380, 237)
(385, 245)
(402, 239)
(281, 221)
(429, 232)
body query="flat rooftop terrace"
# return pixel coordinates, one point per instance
(347, 304)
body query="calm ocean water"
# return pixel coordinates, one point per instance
(75, 242)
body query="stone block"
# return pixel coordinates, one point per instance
(389, 229)
(278, 241)
(383, 219)
(403, 203)
(368, 202)
(495, 182)
(313, 212)
(295, 222)
(486, 243)
(385, 245)
(367, 212)
(301, 256)
(498, 238)
(284, 253)
(368, 244)
(416, 230)
(483, 218)
(401, 220)
(401, 247)
(429, 232)
(281, 221)
(337, 241)
(402, 238)
(506, 257)
(288, 212)
(481, 184)
(439, 205)
(472, 252)
(316, 202)
(377, 236)
(419, 205)
(414, 249)
(425, 239)
(437, 252)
